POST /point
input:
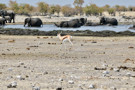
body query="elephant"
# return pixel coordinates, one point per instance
(10, 13)
(133, 27)
(74, 23)
(8, 19)
(108, 21)
(2, 21)
(33, 22)
(89, 23)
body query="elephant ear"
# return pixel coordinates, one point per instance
(83, 20)
(29, 20)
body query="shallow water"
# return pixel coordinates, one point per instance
(50, 27)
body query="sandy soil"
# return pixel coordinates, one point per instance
(43, 62)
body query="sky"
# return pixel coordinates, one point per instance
(70, 2)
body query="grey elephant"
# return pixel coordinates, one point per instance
(10, 13)
(74, 23)
(33, 22)
(108, 21)
(133, 27)
(2, 21)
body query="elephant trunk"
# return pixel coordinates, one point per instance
(56, 24)
(25, 23)
(42, 24)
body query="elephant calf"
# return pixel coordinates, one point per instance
(2, 21)
(33, 22)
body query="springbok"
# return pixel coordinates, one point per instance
(64, 38)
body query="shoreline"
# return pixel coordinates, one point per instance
(105, 33)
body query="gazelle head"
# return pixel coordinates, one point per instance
(59, 34)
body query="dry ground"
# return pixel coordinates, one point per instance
(43, 62)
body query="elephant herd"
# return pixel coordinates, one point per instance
(6, 16)
(9, 16)
(74, 23)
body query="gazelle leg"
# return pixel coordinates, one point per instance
(64, 44)
(70, 42)
(61, 46)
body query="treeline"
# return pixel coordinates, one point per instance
(67, 10)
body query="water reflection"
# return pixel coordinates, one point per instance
(51, 27)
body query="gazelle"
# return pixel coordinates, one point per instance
(65, 38)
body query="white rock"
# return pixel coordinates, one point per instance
(71, 82)
(19, 77)
(113, 88)
(9, 77)
(12, 85)
(106, 72)
(128, 74)
(91, 86)
(105, 65)
(60, 79)
(10, 69)
(36, 88)
(116, 69)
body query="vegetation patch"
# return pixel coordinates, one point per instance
(106, 33)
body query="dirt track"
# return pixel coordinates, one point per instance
(92, 62)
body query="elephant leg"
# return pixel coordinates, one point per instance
(13, 21)
(9, 21)
(29, 25)
(3, 23)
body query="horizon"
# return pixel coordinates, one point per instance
(70, 2)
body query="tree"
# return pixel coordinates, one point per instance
(78, 5)
(111, 11)
(52, 9)
(67, 10)
(3, 6)
(131, 8)
(14, 6)
(25, 8)
(106, 7)
(92, 9)
(58, 8)
(117, 7)
(122, 8)
(43, 7)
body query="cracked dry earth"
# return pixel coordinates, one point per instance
(42, 63)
